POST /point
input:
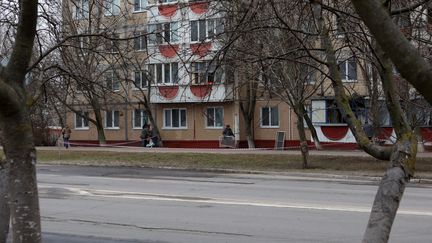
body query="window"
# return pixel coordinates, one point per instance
(112, 7)
(113, 44)
(166, 73)
(140, 79)
(175, 118)
(140, 41)
(112, 119)
(269, 116)
(348, 69)
(333, 114)
(214, 117)
(205, 29)
(139, 118)
(140, 5)
(166, 1)
(163, 33)
(206, 73)
(112, 81)
(81, 121)
(80, 9)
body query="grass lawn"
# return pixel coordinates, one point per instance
(247, 162)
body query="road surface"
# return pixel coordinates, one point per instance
(125, 205)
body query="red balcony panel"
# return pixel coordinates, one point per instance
(199, 7)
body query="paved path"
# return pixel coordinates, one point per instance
(222, 151)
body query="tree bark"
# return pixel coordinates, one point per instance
(21, 157)
(17, 135)
(312, 130)
(4, 201)
(302, 134)
(99, 120)
(410, 64)
(390, 192)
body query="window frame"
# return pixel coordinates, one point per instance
(143, 120)
(197, 74)
(214, 126)
(270, 121)
(208, 35)
(154, 73)
(80, 9)
(140, 6)
(111, 7)
(112, 126)
(345, 76)
(143, 80)
(112, 81)
(83, 121)
(170, 126)
(140, 41)
(157, 33)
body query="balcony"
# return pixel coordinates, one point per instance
(191, 93)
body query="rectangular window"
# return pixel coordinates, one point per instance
(270, 116)
(175, 118)
(140, 41)
(139, 118)
(140, 5)
(140, 79)
(80, 9)
(111, 7)
(163, 33)
(112, 81)
(112, 119)
(205, 29)
(348, 69)
(163, 73)
(333, 114)
(167, 1)
(113, 44)
(206, 73)
(214, 117)
(81, 121)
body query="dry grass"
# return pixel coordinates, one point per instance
(201, 161)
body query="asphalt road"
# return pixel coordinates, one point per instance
(125, 205)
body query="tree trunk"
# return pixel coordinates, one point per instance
(390, 192)
(21, 157)
(303, 141)
(249, 133)
(99, 121)
(312, 130)
(4, 202)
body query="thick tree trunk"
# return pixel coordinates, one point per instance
(99, 121)
(4, 201)
(303, 141)
(390, 192)
(21, 157)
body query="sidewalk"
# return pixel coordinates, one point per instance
(359, 153)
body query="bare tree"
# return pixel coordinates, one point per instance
(16, 127)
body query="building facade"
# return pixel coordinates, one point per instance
(174, 71)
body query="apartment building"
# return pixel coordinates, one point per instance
(175, 72)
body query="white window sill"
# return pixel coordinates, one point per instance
(139, 11)
(215, 128)
(349, 80)
(112, 128)
(270, 127)
(81, 128)
(174, 128)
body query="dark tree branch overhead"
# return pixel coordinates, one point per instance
(408, 61)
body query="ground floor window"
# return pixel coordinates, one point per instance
(81, 121)
(112, 119)
(139, 118)
(175, 118)
(269, 116)
(214, 117)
